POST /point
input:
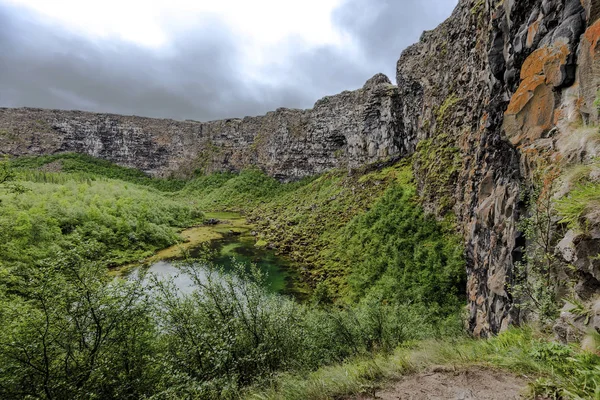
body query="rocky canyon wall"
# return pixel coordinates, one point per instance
(478, 101)
(503, 86)
(349, 129)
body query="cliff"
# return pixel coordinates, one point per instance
(481, 100)
(348, 129)
(502, 87)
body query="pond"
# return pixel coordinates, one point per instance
(223, 244)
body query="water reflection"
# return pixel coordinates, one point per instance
(225, 253)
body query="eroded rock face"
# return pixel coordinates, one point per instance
(346, 130)
(505, 81)
(486, 92)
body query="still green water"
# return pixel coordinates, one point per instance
(226, 251)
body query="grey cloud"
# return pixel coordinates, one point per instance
(200, 76)
(384, 28)
(49, 67)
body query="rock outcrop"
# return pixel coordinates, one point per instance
(478, 102)
(504, 83)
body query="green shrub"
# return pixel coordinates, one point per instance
(398, 253)
(91, 167)
(68, 332)
(129, 221)
(230, 333)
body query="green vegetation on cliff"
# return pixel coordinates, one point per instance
(396, 252)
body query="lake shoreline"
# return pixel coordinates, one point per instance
(193, 237)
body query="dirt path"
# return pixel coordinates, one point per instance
(442, 383)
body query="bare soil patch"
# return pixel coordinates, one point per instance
(442, 383)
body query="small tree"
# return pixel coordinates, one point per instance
(8, 177)
(536, 277)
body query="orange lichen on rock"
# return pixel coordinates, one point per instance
(524, 93)
(546, 61)
(531, 109)
(592, 35)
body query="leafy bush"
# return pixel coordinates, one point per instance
(94, 167)
(127, 220)
(68, 332)
(230, 332)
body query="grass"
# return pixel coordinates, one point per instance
(226, 191)
(197, 235)
(552, 369)
(87, 167)
(581, 196)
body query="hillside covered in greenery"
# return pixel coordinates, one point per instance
(383, 276)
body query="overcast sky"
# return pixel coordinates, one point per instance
(200, 59)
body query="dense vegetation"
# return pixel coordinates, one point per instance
(91, 167)
(56, 211)
(384, 274)
(70, 332)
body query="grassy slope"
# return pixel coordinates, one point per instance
(553, 370)
(60, 209)
(87, 166)
(301, 219)
(352, 235)
(307, 223)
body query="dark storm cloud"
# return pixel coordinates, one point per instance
(49, 67)
(201, 75)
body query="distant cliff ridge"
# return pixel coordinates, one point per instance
(477, 99)
(348, 129)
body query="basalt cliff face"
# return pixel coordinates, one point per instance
(480, 101)
(349, 129)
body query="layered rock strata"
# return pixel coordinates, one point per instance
(349, 129)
